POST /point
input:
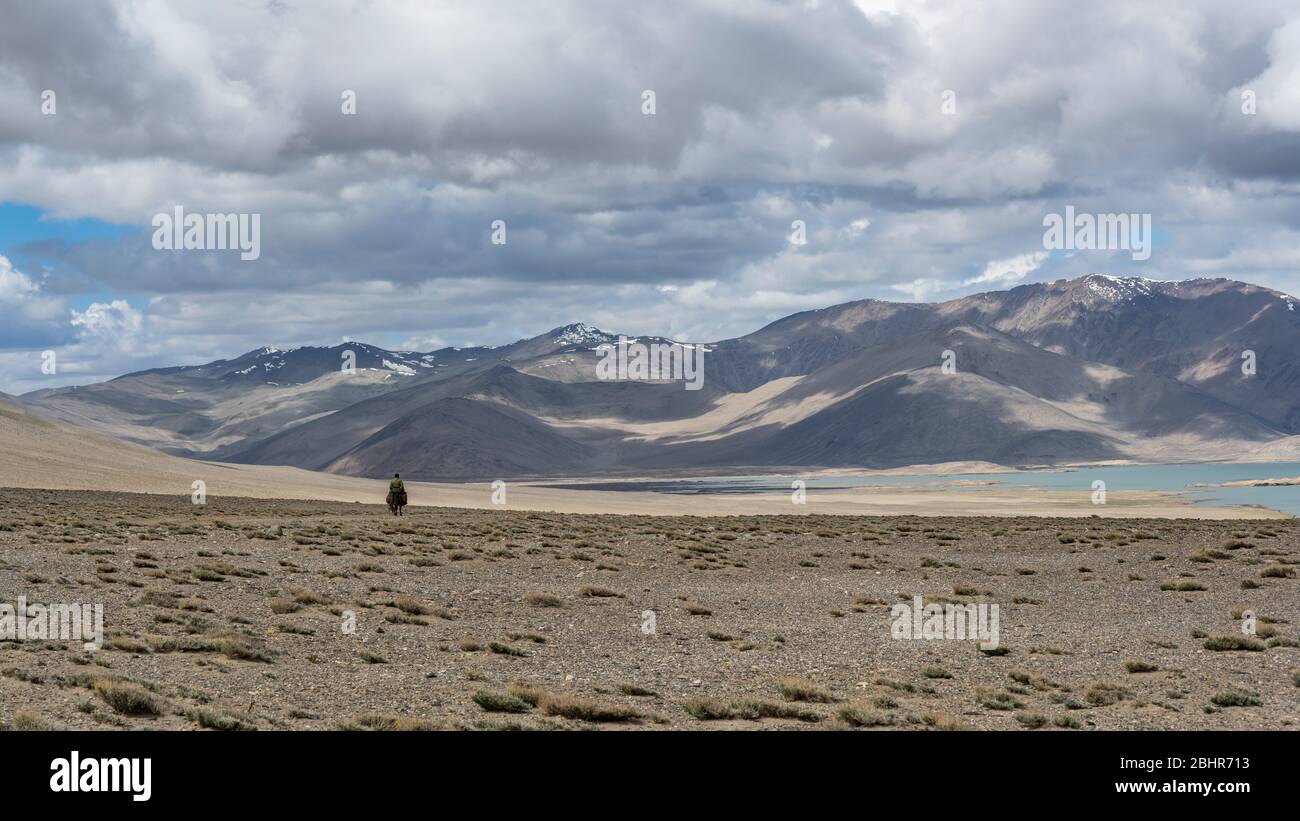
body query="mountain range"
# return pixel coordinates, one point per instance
(1097, 368)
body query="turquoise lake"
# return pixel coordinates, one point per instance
(1176, 478)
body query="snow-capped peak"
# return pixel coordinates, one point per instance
(579, 333)
(1116, 289)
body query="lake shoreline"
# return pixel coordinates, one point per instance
(1157, 485)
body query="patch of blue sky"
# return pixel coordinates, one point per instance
(23, 224)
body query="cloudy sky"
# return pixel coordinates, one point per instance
(921, 143)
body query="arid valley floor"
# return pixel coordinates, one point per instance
(232, 615)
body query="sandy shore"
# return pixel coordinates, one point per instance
(260, 482)
(265, 482)
(866, 502)
(37, 454)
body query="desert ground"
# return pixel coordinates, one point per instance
(264, 614)
(36, 453)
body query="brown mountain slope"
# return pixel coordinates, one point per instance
(1091, 368)
(886, 405)
(38, 453)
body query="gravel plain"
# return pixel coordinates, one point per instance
(264, 614)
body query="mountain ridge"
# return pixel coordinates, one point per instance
(1092, 368)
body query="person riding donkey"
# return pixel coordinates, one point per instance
(396, 494)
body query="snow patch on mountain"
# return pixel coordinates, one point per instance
(580, 333)
(405, 370)
(1119, 289)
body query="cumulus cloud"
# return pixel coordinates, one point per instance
(15, 287)
(921, 144)
(101, 341)
(1275, 92)
(29, 318)
(1002, 273)
(113, 326)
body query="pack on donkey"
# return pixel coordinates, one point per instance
(396, 495)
